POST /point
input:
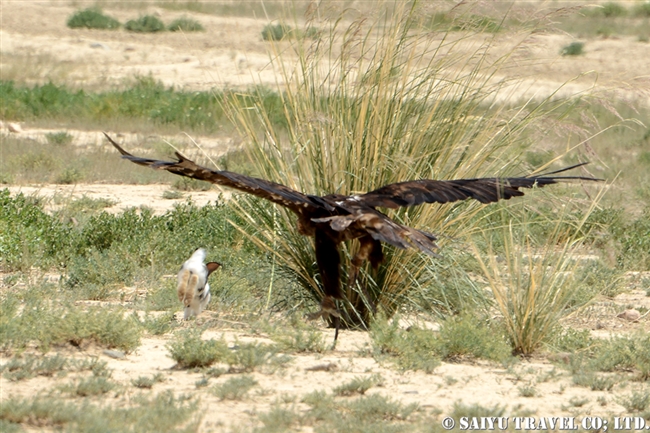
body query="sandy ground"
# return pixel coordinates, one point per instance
(36, 44)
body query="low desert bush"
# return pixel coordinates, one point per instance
(145, 24)
(92, 18)
(185, 24)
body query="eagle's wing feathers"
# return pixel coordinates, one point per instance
(485, 190)
(271, 191)
(379, 226)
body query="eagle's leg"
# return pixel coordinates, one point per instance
(328, 308)
(329, 262)
(370, 249)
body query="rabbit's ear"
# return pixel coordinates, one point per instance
(212, 266)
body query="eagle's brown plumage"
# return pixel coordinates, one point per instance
(336, 218)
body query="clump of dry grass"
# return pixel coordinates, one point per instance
(534, 282)
(371, 102)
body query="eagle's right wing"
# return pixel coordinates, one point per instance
(274, 192)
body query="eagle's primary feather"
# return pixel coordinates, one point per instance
(335, 218)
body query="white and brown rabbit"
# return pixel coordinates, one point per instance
(193, 288)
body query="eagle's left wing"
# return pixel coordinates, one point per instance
(485, 190)
(275, 192)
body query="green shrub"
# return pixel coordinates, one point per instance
(415, 349)
(189, 184)
(59, 138)
(28, 235)
(186, 25)
(612, 10)
(69, 176)
(92, 18)
(573, 49)
(358, 385)
(190, 351)
(162, 413)
(145, 24)
(642, 10)
(277, 32)
(234, 388)
(42, 324)
(467, 335)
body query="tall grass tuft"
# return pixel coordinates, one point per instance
(369, 103)
(535, 282)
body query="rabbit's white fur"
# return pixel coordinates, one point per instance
(193, 288)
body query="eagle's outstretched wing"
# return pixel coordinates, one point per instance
(275, 192)
(485, 190)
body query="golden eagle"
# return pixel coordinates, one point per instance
(336, 218)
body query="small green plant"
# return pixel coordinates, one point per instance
(415, 349)
(43, 324)
(573, 49)
(69, 176)
(172, 195)
(277, 32)
(92, 386)
(188, 184)
(145, 24)
(527, 391)
(299, 336)
(637, 401)
(571, 340)
(376, 413)
(476, 410)
(86, 204)
(26, 367)
(594, 381)
(234, 388)
(612, 10)
(578, 401)
(202, 383)
(358, 385)
(469, 336)
(160, 324)
(248, 356)
(61, 138)
(162, 413)
(190, 351)
(147, 382)
(92, 18)
(280, 419)
(185, 24)
(642, 10)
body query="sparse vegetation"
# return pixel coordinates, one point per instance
(59, 138)
(75, 279)
(190, 351)
(92, 18)
(422, 349)
(164, 412)
(277, 32)
(234, 388)
(358, 385)
(185, 24)
(637, 401)
(147, 382)
(145, 24)
(573, 49)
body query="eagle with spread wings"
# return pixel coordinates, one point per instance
(336, 218)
